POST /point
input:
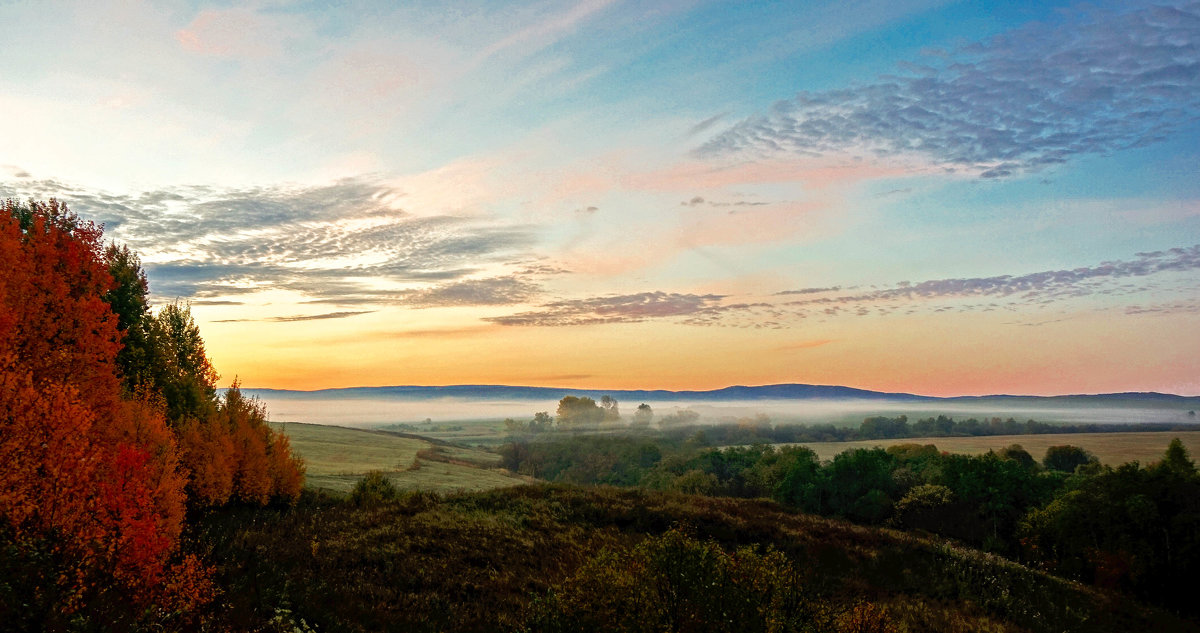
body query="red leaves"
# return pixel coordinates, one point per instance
(94, 481)
(94, 476)
(52, 312)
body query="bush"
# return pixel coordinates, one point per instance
(373, 489)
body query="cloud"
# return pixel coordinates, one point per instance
(336, 243)
(1099, 81)
(706, 123)
(806, 344)
(16, 172)
(1040, 288)
(809, 291)
(508, 290)
(301, 317)
(698, 201)
(631, 308)
(1179, 307)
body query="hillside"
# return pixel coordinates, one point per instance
(523, 559)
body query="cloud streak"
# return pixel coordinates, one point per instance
(1039, 289)
(1101, 81)
(631, 308)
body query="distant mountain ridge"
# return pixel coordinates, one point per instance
(789, 391)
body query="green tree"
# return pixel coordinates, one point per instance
(579, 413)
(926, 507)
(1176, 459)
(1066, 458)
(182, 372)
(541, 422)
(128, 301)
(1018, 453)
(860, 486)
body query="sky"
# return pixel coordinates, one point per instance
(926, 196)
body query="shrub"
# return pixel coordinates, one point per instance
(373, 489)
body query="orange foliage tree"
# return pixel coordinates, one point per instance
(234, 454)
(89, 483)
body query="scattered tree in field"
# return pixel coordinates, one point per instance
(643, 416)
(611, 412)
(579, 413)
(541, 422)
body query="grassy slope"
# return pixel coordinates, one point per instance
(1110, 448)
(472, 562)
(336, 457)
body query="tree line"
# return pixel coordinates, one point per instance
(111, 431)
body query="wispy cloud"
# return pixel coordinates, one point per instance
(1099, 81)
(809, 291)
(301, 317)
(630, 308)
(1038, 288)
(337, 243)
(509, 290)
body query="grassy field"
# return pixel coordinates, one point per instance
(1109, 448)
(336, 457)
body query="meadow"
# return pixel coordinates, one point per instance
(336, 457)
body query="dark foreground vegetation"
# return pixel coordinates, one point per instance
(555, 558)
(1133, 528)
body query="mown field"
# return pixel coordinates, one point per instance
(336, 457)
(1109, 448)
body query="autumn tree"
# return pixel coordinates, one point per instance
(90, 493)
(233, 454)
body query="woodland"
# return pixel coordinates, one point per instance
(137, 496)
